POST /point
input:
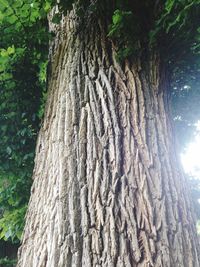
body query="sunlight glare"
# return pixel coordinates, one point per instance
(191, 157)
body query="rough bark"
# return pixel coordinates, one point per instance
(108, 189)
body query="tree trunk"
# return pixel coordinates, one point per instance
(108, 189)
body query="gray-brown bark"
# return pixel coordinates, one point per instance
(108, 189)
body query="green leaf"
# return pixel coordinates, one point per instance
(47, 6)
(169, 5)
(117, 17)
(11, 50)
(4, 3)
(12, 19)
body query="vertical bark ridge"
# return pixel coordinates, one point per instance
(108, 190)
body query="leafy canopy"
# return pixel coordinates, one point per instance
(23, 61)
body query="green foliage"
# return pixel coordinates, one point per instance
(22, 14)
(120, 21)
(178, 22)
(176, 13)
(124, 33)
(156, 24)
(13, 231)
(23, 63)
(6, 262)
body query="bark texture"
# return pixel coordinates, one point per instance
(108, 189)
